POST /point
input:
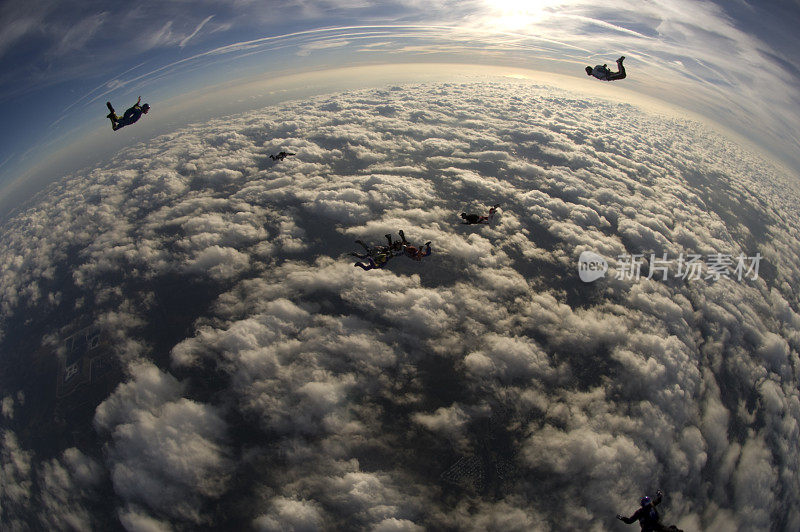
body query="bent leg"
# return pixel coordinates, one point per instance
(620, 74)
(366, 267)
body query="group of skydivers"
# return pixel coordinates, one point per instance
(378, 256)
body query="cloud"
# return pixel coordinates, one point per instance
(196, 31)
(288, 514)
(288, 389)
(16, 468)
(307, 49)
(80, 33)
(66, 486)
(188, 464)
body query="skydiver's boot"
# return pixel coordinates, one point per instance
(112, 113)
(389, 239)
(620, 60)
(402, 236)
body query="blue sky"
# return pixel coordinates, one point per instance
(734, 62)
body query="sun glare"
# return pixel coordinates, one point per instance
(514, 15)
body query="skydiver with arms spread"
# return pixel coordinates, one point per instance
(281, 156)
(648, 517)
(413, 252)
(131, 116)
(470, 219)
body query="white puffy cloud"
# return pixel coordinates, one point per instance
(166, 451)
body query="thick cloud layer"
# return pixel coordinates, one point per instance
(483, 388)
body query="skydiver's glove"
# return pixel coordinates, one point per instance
(620, 517)
(659, 492)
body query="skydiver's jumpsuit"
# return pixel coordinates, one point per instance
(648, 518)
(131, 116)
(602, 72)
(418, 253)
(380, 260)
(474, 219)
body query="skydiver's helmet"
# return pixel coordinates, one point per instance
(145, 108)
(589, 70)
(645, 500)
(464, 215)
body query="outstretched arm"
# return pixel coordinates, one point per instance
(626, 520)
(659, 496)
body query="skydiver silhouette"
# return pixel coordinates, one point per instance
(648, 516)
(602, 72)
(281, 156)
(377, 256)
(396, 247)
(132, 114)
(393, 249)
(470, 219)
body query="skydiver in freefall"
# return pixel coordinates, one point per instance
(602, 72)
(377, 256)
(132, 114)
(281, 156)
(413, 252)
(393, 249)
(378, 260)
(648, 516)
(470, 219)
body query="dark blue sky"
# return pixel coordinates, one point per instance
(734, 62)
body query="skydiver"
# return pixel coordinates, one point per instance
(648, 516)
(470, 219)
(417, 253)
(394, 248)
(377, 261)
(602, 72)
(281, 156)
(413, 252)
(403, 240)
(132, 114)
